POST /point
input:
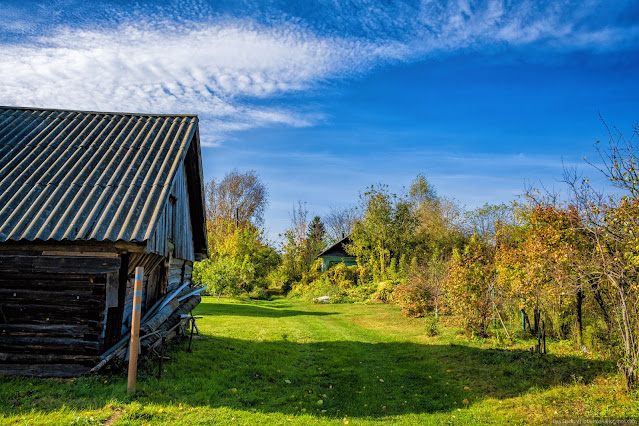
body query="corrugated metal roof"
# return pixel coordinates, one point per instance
(73, 175)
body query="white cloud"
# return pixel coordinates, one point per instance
(234, 70)
(210, 70)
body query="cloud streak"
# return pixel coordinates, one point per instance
(238, 71)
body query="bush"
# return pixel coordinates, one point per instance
(318, 288)
(499, 339)
(339, 283)
(413, 298)
(384, 292)
(260, 293)
(468, 286)
(360, 293)
(431, 326)
(342, 276)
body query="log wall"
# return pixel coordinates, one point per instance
(52, 311)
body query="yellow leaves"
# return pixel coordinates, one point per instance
(465, 401)
(234, 390)
(466, 388)
(161, 410)
(448, 371)
(381, 380)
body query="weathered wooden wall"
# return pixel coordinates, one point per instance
(154, 285)
(180, 271)
(175, 223)
(52, 312)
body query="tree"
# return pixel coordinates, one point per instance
(242, 262)
(486, 221)
(235, 201)
(421, 192)
(615, 228)
(432, 277)
(439, 220)
(386, 230)
(295, 260)
(315, 238)
(469, 285)
(339, 223)
(545, 269)
(613, 224)
(240, 257)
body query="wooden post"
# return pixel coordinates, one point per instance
(135, 328)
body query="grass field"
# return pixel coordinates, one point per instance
(289, 362)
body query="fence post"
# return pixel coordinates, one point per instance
(135, 329)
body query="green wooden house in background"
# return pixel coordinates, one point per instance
(337, 254)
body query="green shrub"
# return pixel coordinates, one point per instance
(360, 293)
(431, 326)
(342, 276)
(414, 299)
(499, 339)
(259, 293)
(318, 288)
(384, 292)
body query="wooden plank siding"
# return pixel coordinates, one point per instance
(175, 223)
(152, 290)
(52, 309)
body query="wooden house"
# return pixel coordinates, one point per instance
(85, 197)
(337, 254)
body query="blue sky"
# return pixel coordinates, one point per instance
(324, 98)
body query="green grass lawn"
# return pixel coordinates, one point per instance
(289, 362)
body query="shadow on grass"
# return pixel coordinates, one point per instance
(349, 378)
(251, 310)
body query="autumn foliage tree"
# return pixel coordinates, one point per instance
(237, 200)
(543, 271)
(240, 257)
(614, 226)
(469, 286)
